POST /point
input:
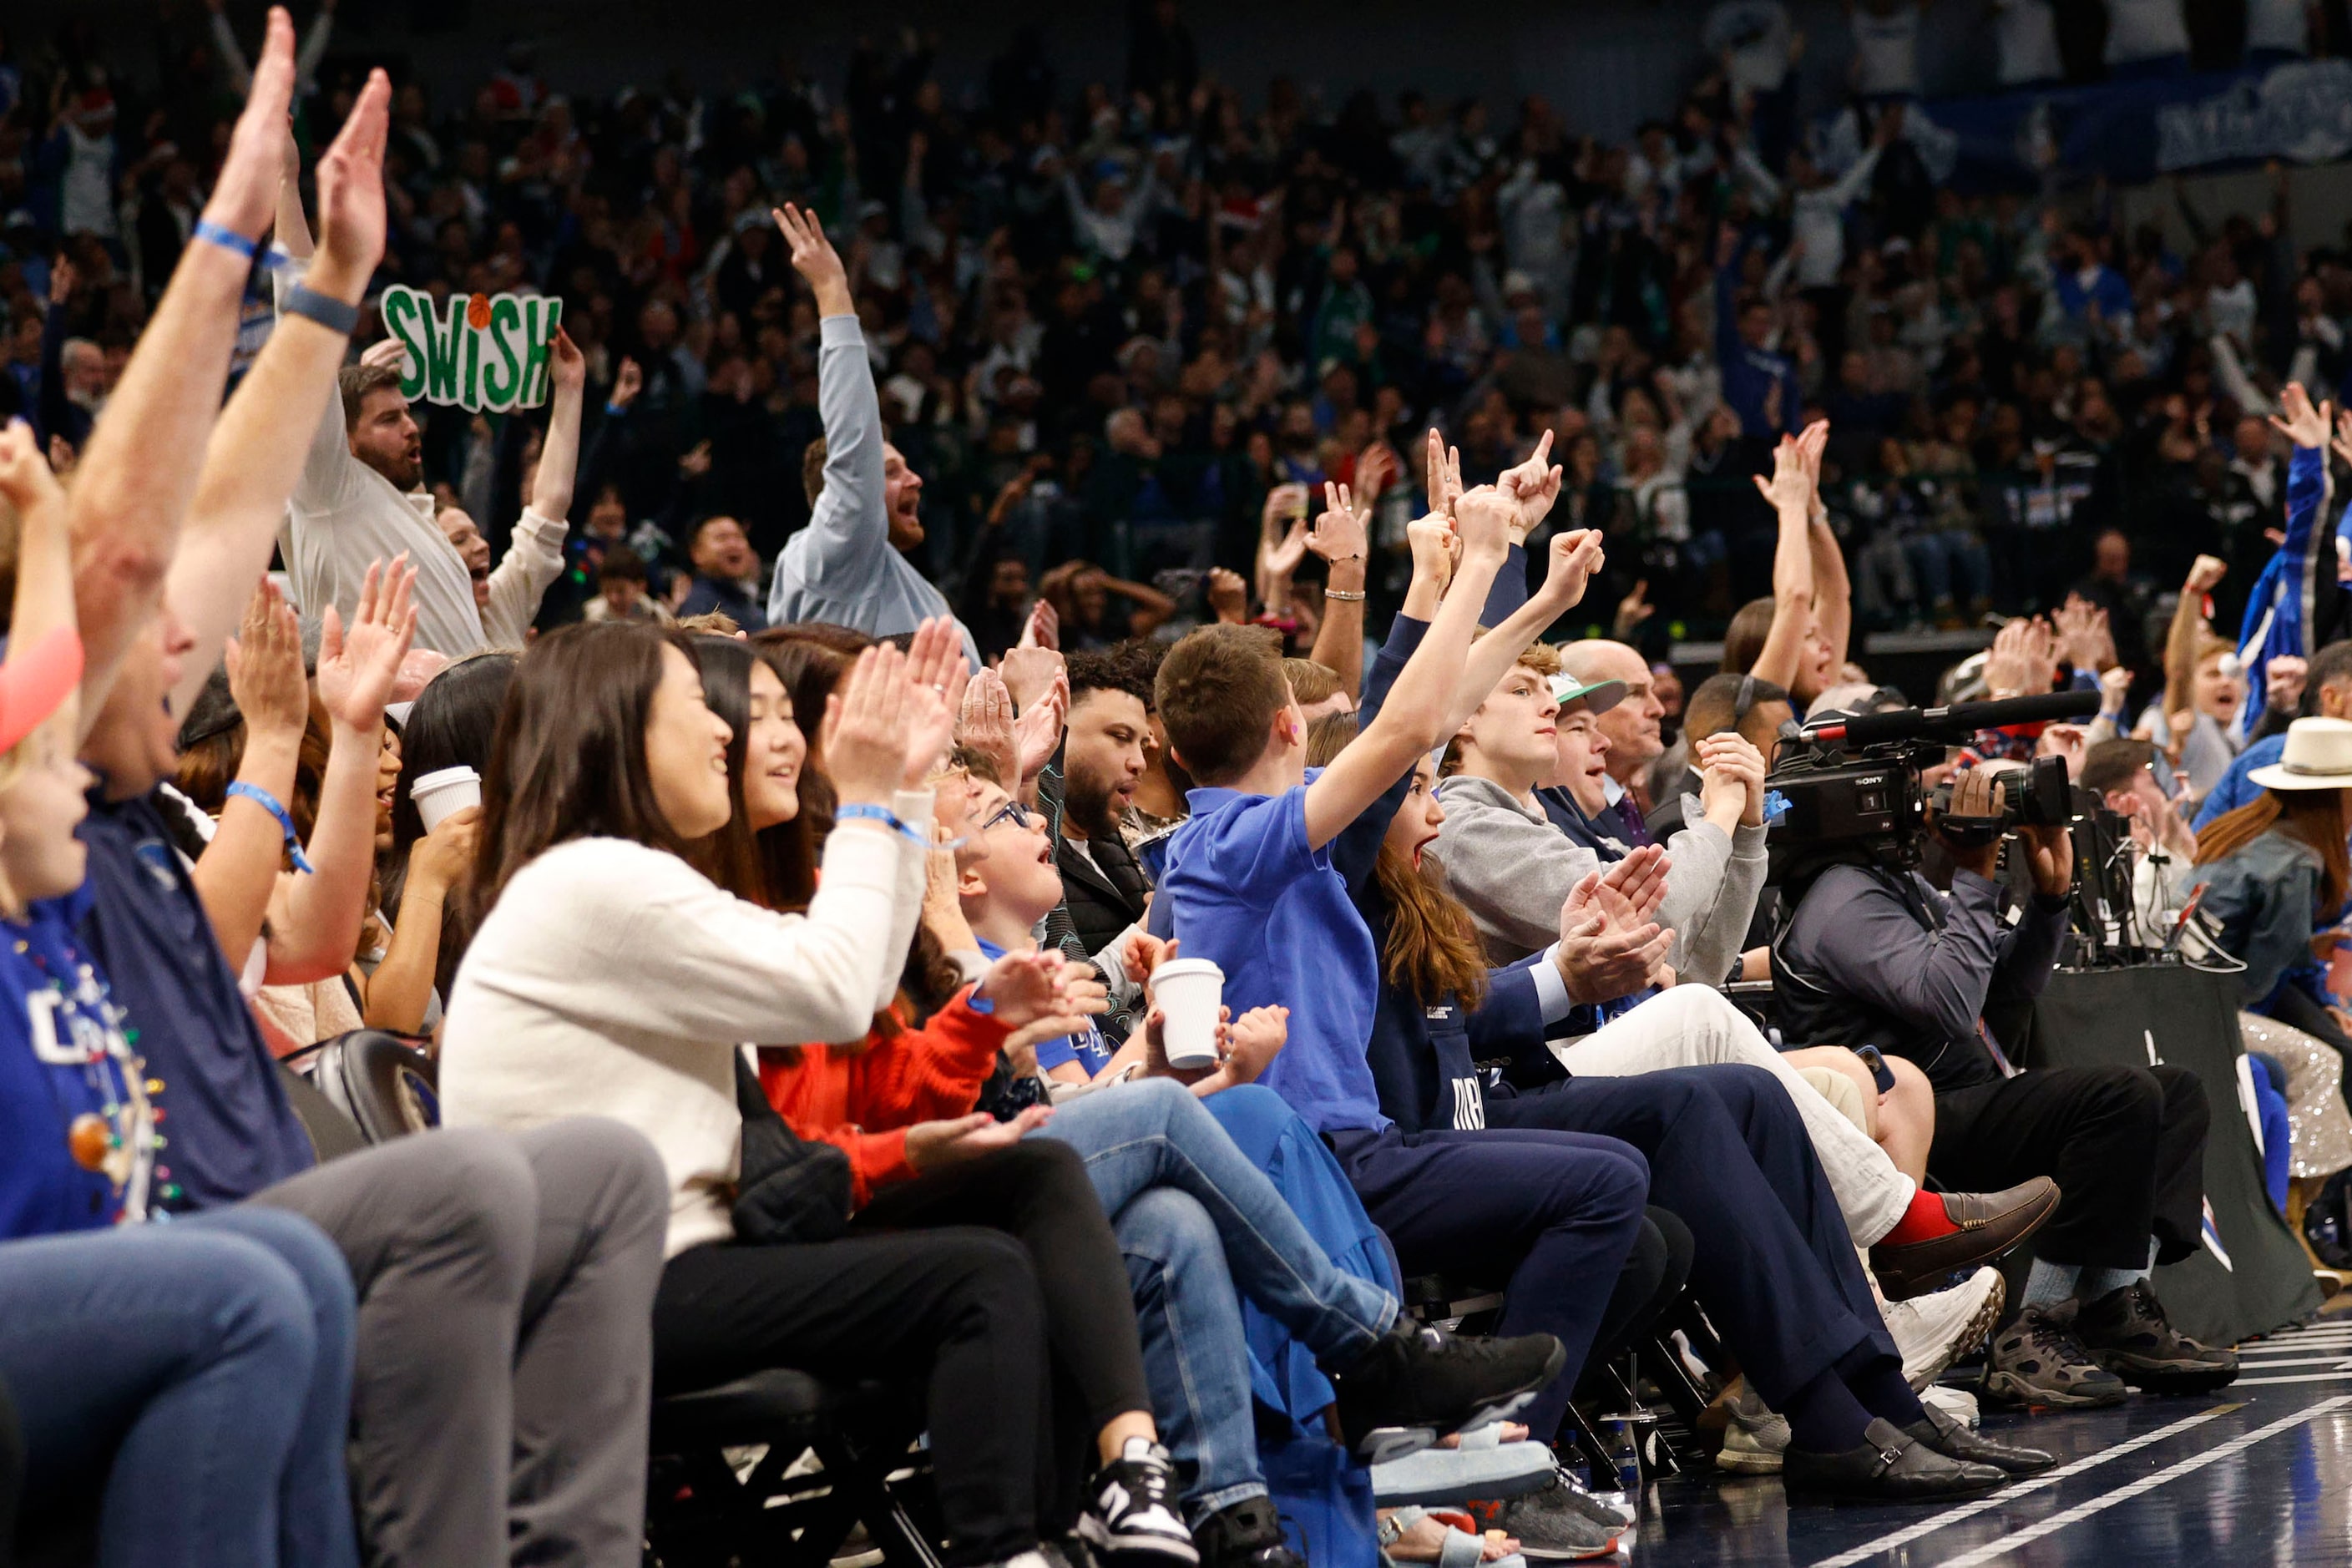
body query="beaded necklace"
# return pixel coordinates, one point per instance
(118, 1141)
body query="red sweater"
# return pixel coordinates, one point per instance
(862, 1099)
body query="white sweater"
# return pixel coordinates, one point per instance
(615, 980)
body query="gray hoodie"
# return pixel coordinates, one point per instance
(1513, 870)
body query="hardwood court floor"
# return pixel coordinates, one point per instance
(2259, 1473)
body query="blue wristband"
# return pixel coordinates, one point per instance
(860, 812)
(227, 238)
(271, 803)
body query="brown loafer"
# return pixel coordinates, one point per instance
(1990, 1224)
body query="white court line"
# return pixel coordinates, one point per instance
(2337, 1362)
(2075, 1515)
(1909, 1533)
(2305, 1377)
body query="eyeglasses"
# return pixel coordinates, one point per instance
(1012, 811)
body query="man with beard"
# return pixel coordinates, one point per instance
(1103, 889)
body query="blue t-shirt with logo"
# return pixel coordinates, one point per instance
(231, 1130)
(1089, 1049)
(65, 1059)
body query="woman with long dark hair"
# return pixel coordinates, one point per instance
(1193, 1215)
(607, 972)
(2276, 873)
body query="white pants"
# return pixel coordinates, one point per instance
(1691, 1025)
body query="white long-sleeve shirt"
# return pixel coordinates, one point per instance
(534, 559)
(613, 979)
(343, 515)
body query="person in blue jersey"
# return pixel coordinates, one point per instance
(2285, 613)
(129, 1349)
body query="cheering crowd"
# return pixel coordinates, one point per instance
(812, 975)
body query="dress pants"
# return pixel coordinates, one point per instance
(2124, 1144)
(1553, 1213)
(1729, 1156)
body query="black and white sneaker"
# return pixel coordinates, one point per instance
(1132, 1515)
(1417, 1384)
(1246, 1534)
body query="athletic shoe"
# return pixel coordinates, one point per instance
(1131, 1515)
(1246, 1534)
(1887, 1465)
(1560, 1490)
(2125, 1332)
(2037, 1360)
(1989, 1223)
(1755, 1438)
(1417, 1384)
(1957, 1403)
(1955, 1441)
(1932, 1331)
(1438, 1476)
(1554, 1525)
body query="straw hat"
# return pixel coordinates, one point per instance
(2318, 756)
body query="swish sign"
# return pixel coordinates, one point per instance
(483, 353)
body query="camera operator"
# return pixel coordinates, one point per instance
(1875, 955)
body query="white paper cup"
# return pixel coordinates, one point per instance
(439, 793)
(1189, 991)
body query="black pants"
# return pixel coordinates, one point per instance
(2124, 1144)
(1730, 1158)
(1038, 1193)
(958, 1305)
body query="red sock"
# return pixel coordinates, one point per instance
(1925, 1220)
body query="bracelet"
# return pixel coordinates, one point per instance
(271, 803)
(614, 410)
(227, 238)
(1344, 596)
(329, 312)
(860, 812)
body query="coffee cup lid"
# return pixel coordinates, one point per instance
(1183, 968)
(442, 778)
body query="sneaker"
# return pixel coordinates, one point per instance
(1934, 1331)
(1988, 1224)
(1562, 1490)
(1246, 1534)
(2037, 1360)
(2126, 1333)
(1957, 1403)
(1557, 1524)
(1417, 1384)
(1132, 1516)
(1755, 1438)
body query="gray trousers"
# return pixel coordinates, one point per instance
(506, 1285)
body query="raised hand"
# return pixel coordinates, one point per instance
(26, 481)
(1483, 518)
(1339, 532)
(356, 672)
(2298, 420)
(1731, 757)
(936, 679)
(265, 669)
(351, 196)
(1282, 559)
(865, 730)
(2205, 575)
(1028, 672)
(1037, 733)
(1228, 596)
(1435, 547)
(245, 194)
(628, 382)
(814, 258)
(2282, 681)
(2342, 444)
(1534, 486)
(985, 724)
(1442, 476)
(567, 366)
(1043, 628)
(1575, 556)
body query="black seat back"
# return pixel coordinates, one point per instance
(380, 1082)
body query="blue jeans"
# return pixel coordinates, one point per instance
(203, 1367)
(1200, 1227)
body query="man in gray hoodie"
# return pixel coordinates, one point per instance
(1513, 848)
(848, 566)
